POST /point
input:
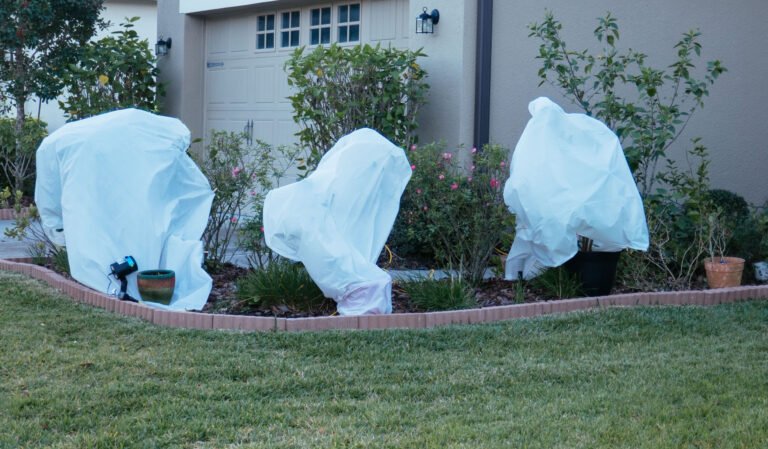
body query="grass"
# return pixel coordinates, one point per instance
(671, 377)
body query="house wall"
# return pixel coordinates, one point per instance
(182, 68)
(450, 65)
(732, 122)
(115, 12)
(450, 62)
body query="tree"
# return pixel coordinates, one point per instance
(114, 72)
(39, 39)
(340, 89)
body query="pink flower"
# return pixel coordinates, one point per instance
(472, 168)
(454, 186)
(418, 191)
(494, 183)
(413, 167)
(253, 193)
(425, 208)
(469, 179)
(441, 176)
(236, 171)
(474, 150)
(262, 229)
(413, 147)
(447, 156)
(233, 219)
(502, 164)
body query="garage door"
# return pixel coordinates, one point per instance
(246, 88)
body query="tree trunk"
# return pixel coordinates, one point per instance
(20, 98)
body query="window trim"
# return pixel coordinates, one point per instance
(266, 32)
(348, 23)
(290, 29)
(319, 27)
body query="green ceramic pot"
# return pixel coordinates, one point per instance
(156, 285)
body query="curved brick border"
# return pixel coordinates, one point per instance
(82, 294)
(10, 214)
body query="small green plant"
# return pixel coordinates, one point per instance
(429, 294)
(340, 89)
(282, 283)
(458, 208)
(558, 283)
(114, 72)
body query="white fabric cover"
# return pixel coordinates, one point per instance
(337, 220)
(121, 184)
(569, 178)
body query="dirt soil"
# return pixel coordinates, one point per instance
(223, 298)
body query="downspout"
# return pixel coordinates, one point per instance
(483, 73)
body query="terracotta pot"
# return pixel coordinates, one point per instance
(724, 271)
(156, 285)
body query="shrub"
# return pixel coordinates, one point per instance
(679, 225)
(660, 103)
(240, 175)
(230, 166)
(340, 89)
(18, 162)
(433, 295)
(459, 208)
(282, 283)
(114, 72)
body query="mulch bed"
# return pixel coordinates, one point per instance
(223, 298)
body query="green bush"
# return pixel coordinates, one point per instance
(282, 283)
(647, 107)
(340, 89)
(240, 175)
(18, 167)
(434, 295)
(458, 208)
(114, 72)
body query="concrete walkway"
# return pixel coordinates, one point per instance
(12, 248)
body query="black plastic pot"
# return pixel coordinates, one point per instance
(596, 271)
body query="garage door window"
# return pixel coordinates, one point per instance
(320, 26)
(265, 32)
(290, 24)
(349, 23)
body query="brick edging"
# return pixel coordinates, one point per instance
(10, 214)
(192, 320)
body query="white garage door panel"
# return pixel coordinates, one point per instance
(228, 86)
(247, 85)
(263, 82)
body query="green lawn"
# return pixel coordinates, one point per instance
(72, 376)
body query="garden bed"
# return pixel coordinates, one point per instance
(80, 293)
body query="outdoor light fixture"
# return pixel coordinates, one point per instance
(162, 46)
(121, 270)
(425, 21)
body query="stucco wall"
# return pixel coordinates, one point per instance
(182, 68)
(450, 64)
(732, 123)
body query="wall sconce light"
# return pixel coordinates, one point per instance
(162, 46)
(425, 21)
